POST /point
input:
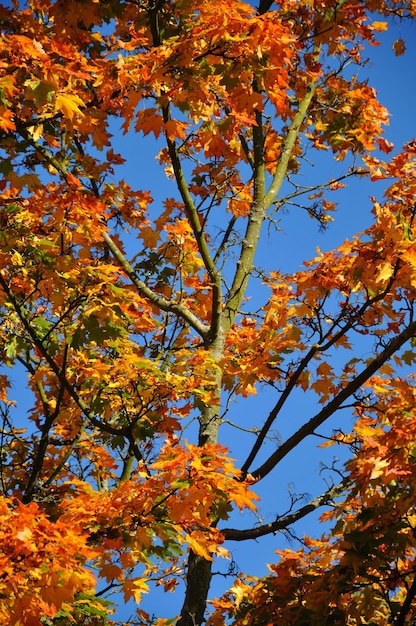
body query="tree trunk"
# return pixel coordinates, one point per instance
(197, 586)
(198, 577)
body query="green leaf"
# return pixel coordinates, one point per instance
(223, 509)
(41, 323)
(409, 357)
(6, 167)
(12, 208)
(43, 91)
(11, 347)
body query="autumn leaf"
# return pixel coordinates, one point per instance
(399, 47)
(68, 104)
(6, 120)
(379, 26)
(134, 589)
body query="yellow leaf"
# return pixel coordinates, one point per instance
(379, 26)
(223, 552)
(25, 534)
(379, 468)
(68, 104)
(239, 590)
(198, 547)
(36, 131)
(385, 271)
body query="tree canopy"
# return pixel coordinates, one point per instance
(134, 315)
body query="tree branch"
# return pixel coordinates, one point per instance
(231, 534)
(253, 229)
(154, 298)
(400, 620)
(225, 239)
(44, 438)
(197, 229)
(264, 6)
(289, 144)
(307, 429)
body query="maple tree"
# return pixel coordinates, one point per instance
(130, 318)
